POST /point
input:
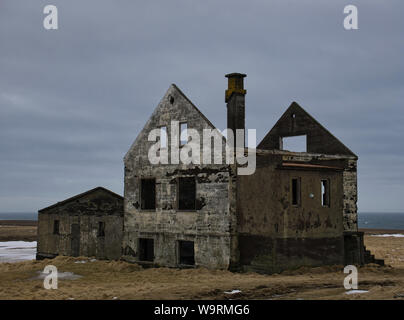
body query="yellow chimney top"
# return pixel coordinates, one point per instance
(235, 84)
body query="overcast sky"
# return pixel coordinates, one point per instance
(73, 100)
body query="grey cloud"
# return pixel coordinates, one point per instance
(73, 100)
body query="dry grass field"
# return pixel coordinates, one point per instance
(18, 230)
(121, 280)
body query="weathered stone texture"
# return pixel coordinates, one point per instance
(350, 197)
(238, 222)
(209, 226)
(86, 210)
(245, 222)
(274, 234)
(296, 121)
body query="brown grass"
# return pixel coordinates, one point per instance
(121, 280)
(18, 230)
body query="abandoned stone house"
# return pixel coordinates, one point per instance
(298, 208)
(88, 224)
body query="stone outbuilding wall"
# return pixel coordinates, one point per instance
(89, 224)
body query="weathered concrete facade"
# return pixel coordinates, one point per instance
(298, 208)
(89, 224)
(209, 225)
(274, 233)
(296, 121)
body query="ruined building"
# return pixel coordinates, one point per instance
(298, 208)
(89, 224)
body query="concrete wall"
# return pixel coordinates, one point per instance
(211, 226)
(350, 186)
(208, 226)
(296, 121)
(87, 211)
(244, 221)
(275, 235)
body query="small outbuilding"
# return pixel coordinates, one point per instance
(88, 224)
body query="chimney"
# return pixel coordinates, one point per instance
(235, 99)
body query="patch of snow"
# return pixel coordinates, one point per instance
(18, 244)
(356, 291)
(14, 251)
(85, 261)
(232, 292)
(395, 235)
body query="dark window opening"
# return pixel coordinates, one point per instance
(325, 193)
(56, 227)
(148, 194)
(146, 249)
(296, 191)
(187, 252)
(101, 228)
(186, 193)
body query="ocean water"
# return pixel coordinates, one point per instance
(379, 220)
(18, 216)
